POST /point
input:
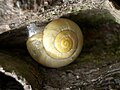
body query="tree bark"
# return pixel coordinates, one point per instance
(98, 65)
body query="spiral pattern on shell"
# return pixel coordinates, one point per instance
(59, 42)
(58, 45)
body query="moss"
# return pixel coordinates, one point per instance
(93, 17)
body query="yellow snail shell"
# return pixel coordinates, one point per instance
(58, 45)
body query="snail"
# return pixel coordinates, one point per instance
(57, 45)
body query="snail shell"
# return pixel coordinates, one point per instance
(58, 45)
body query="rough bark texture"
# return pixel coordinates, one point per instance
(14, 15)
(96, 68)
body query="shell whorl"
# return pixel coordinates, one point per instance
(58, 45)
(60, 39)
(64, 41)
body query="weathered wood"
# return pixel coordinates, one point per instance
(25, 69)
(7, 82)
(11, 16)
(98, 65)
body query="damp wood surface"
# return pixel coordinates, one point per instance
(96, 68)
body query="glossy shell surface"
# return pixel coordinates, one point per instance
(58, 45)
